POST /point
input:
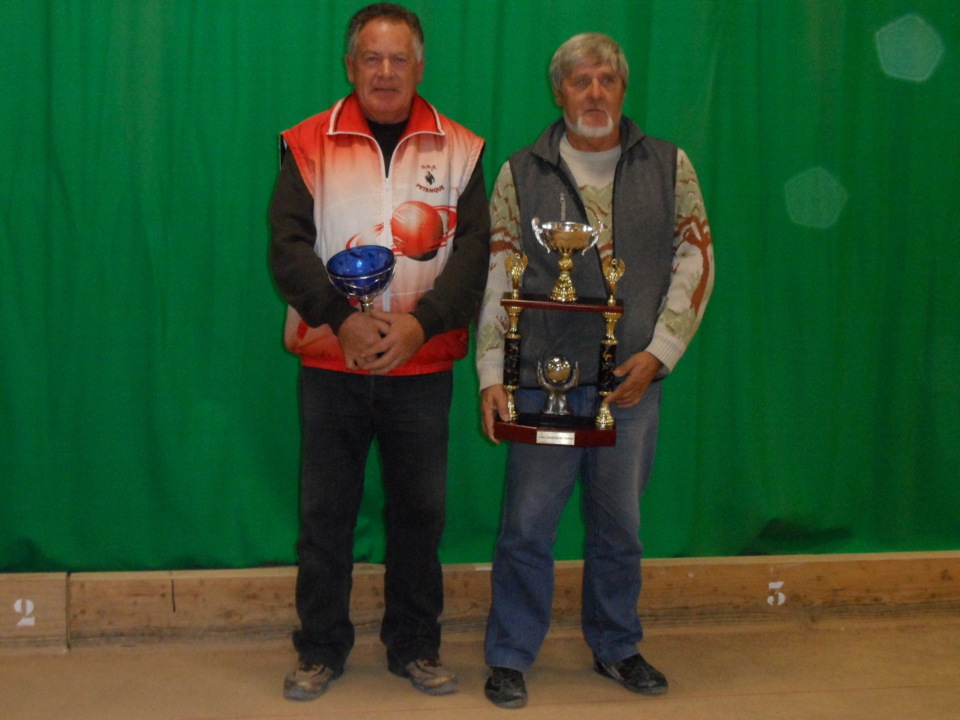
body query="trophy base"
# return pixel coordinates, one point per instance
(539, 429)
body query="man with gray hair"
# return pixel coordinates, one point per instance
(593, 166)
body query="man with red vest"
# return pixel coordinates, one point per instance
(380, 167)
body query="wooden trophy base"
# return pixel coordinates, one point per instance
(538, 429)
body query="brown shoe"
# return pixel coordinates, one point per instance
(428, 676)
(308, 681)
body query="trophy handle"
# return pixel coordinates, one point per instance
(538, 233)
(594, 237)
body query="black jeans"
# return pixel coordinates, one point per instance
(341, 415)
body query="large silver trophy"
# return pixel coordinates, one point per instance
(565, 238)
(362, 273)
(557, 375)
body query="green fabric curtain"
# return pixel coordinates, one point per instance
(148, 414)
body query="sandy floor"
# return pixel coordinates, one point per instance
(861, 670)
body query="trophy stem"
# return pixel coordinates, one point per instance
(563, 289)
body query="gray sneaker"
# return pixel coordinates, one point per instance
(427, 675)
(308, 681)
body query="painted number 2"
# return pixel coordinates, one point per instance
(25, 608)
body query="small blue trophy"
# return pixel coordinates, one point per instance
(362, 272)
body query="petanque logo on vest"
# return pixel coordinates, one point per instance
(430, 179)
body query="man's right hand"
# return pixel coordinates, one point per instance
(493, 407)
(357, 334)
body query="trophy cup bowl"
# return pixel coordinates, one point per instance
(362, 272)
(565, 238)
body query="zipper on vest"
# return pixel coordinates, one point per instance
(386, 234)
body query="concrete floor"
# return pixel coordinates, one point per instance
(860, 670)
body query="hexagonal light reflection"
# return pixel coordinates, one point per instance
(815, 198)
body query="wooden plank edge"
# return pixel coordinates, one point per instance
(33, 611)
(258, 603)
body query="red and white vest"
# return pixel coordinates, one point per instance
(413, 212)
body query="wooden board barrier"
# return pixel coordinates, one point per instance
(804, 588)
(33, 610)
(259, 603)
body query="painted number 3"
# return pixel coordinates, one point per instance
(25, 608)
(776, 597)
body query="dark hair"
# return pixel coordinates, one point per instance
(388, 11)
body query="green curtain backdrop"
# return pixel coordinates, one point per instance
(148, 415)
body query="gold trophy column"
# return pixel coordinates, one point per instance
(612, 272)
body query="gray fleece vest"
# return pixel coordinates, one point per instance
(643, 226)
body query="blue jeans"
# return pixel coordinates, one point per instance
(341, 415)
(540, 479)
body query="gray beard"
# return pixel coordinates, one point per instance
(589, 131)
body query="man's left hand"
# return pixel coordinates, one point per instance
(403, 337)
(640, 370)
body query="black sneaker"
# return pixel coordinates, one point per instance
(506, 688)
(635, 674)
(308, 681)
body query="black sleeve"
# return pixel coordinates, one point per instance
(299, 273)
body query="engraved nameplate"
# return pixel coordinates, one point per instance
(556, 437)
